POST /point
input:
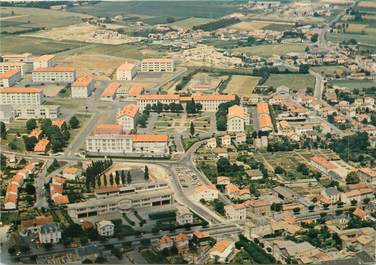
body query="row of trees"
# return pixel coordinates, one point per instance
(95, 169)
(160, 107)
(222, 23)
(221, 115)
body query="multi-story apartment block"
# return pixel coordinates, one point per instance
(144, 100)
(82, 87)
(235, 212)
(22, 67)
(109, 138)
(37, 111)
(236, 119)
(157, 65)
(121, 203)
(126, 71)
(44, 61)
(21, 96)
(55, 74)
(24, 57)
(210, 103)
(127, 117)
(10, 78)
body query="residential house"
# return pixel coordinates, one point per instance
(105, 228)
(49, 233)
(221, 251)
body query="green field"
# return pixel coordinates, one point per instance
(190, 22)
(269, 50)
(354, 83)
(37, 46)
(369, 38)
(18, 19)
(293, 81)
(336, 69)
(206, 9)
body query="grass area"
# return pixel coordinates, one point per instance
(152, 257)
(19, 145)
(271, 49)
(354, 83)
(360, 38)
(293, 81)
(37, 46)
(9, 217)
(65, 92)
(336, 69)
(188, 142)
(82, 118)
(205, 9)
(242, 85)
(190, 22)
(278, 27)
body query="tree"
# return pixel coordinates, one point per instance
(74, 123)
(192, 129)
(279, 170)
(99, 182)
(123, 179)
(3, 130)
(30, 142)
(352, 178)
(31, 124)
(129, 177)
(311, 208)
(104, 180)
(117, 179)
(30, 189)
(296, 210)
(146, 173)
(111, 180)
(3, 161)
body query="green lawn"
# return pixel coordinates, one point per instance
(354, 83)
(271, 49)
(11, 138)
(339, 69)
(293, 81)
(9, 217)
(360, 38)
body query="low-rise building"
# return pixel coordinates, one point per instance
(10, 78)
(109, 92)
(23, 57)
(257, 207)
(20, 66)
(235, 212)
(37, 111)
(222, 250)
(331, 194)
(157, 65)
(42, 146)
(165, 242)
(126, 71)
(322, 164)
(105, 228)
(54, 74)
(205, 192)
(183, 215)
(83, 87)
(71, 173)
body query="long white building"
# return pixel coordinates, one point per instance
(21, 96)
(55, 74)
(157, 65)
(21, 66)
(24, 57)
(109, 139)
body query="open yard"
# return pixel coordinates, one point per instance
(190, 22)
(242, 85)
(337, 69)
(271, 49)
(171, 123)
(293, 81)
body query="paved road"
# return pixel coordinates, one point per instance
(39, 182)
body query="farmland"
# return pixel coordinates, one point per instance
(205, 9)
(293, 81)
(259, 24)
(190, 22)
(269, 50)
(241, 85)
(337, 69)
(354, 83)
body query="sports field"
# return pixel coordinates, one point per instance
(269, 50)
(293, 81)
(242, 85)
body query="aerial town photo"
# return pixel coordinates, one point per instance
(188, 132)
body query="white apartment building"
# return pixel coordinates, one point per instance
(21, 96)
(205, 192)
(24, 57)
(49, 234)
(210, 103)
(157, 65)
(105, 228)
(126, 71)
(144, 100)
(44, 61)
(54, 74)
(10, 78)
(122, 203)
(235, 212)
(236, 119)
(22, 67)
(127, 117)
(112, 140)
(37, 111)
(83, 87)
